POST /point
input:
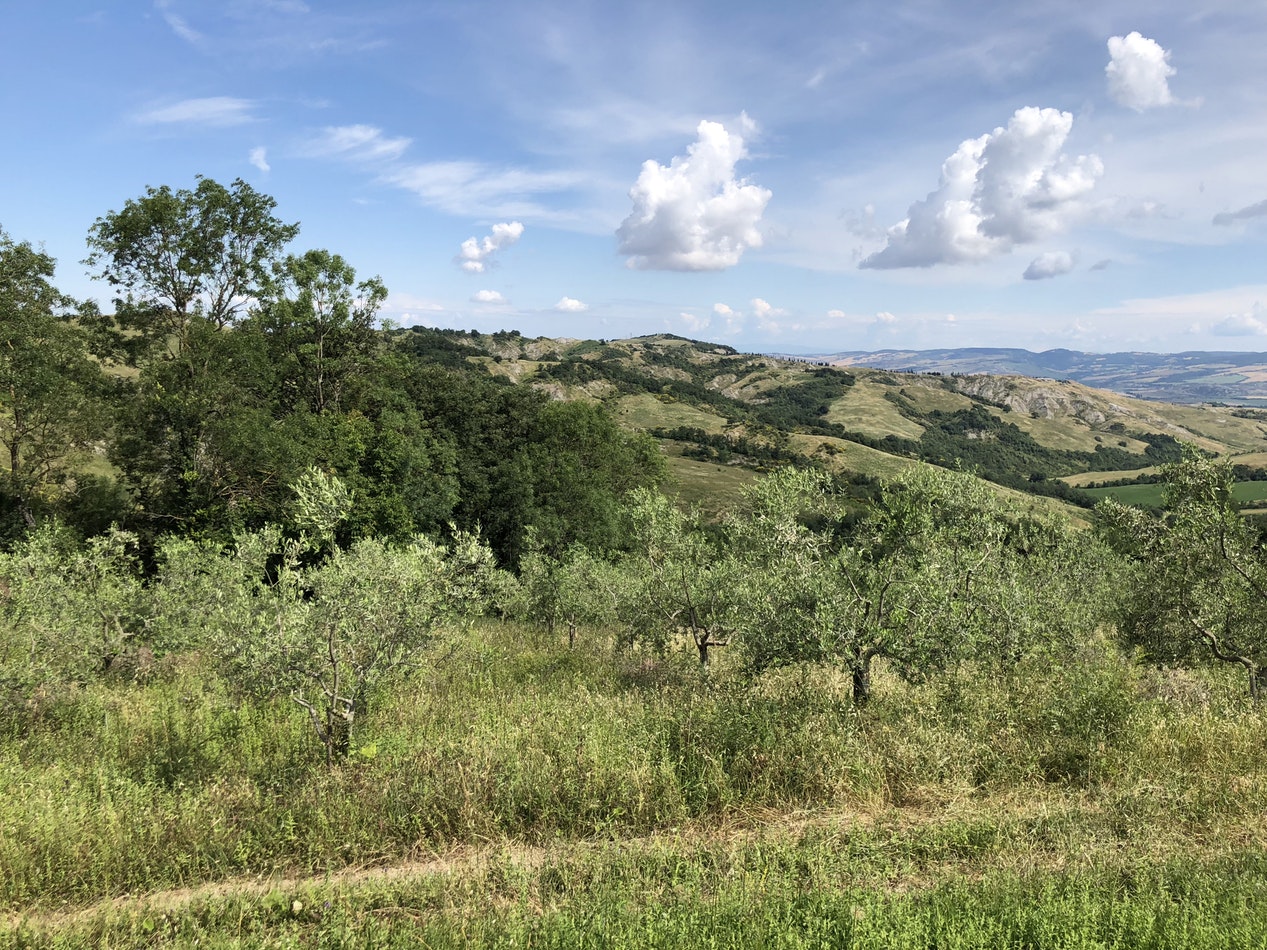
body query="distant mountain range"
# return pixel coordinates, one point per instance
(1194, 377)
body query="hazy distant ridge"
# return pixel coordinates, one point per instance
(1190, 377)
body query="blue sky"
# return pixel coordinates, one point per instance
(806, 177)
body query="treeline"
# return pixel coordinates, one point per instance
(230, 368)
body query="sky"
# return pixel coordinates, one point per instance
(806, 177)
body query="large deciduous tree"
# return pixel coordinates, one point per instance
(321, 327)
(50, 388)
(179, 255)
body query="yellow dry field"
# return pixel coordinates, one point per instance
(1069, 433)
(844, 456)
(707, 485)
(1080, 479)
(645, 411)
(864, 409)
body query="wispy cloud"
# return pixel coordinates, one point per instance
(213, 111)
(356, 143)
(178, 24)
(1225, 218)
(259, 158)
(473, 189)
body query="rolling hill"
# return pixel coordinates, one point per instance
(723, 416)
(1192, 377)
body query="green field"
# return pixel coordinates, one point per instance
(1150, 496)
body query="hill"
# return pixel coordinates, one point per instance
(722, 416)
(1192, 377)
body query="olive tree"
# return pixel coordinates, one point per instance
(932, 574)
(576, 590)
(327, 635)
(69, 609)
(1201, 584)
(678, 580)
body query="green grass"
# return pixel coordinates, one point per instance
(707, 485)
(514, 792)
(1150, 496)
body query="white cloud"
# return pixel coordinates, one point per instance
(763, 310)
(487, 296)
(732, 320)
(1197, 310)
(259, 158)
(885, 317)
(213, 110)
(1138, 71)
(475, 256)
(1241, 324)
(1225, 218)
(693, 323)
(1007, 187)
(178, 24)
(473, 188)
(401, 302)
(571, 305)
(1049, 264)
(836, 314)
(360, 143)
(768, 317)
(694, 214)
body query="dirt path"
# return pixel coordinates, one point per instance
(889, 822)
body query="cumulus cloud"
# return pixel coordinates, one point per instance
(694, 214)
(1225, 218)
(360, 143)
(732, 320)
(212, 110)
(571, 305)
(693, 322)
(1241, 324)
(1049, 264)
(1138, 72)
(474, 256)
(487, 296)
(836, 314)
(259, 158)
(1008, 187)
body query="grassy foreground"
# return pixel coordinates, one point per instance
(514, 793)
